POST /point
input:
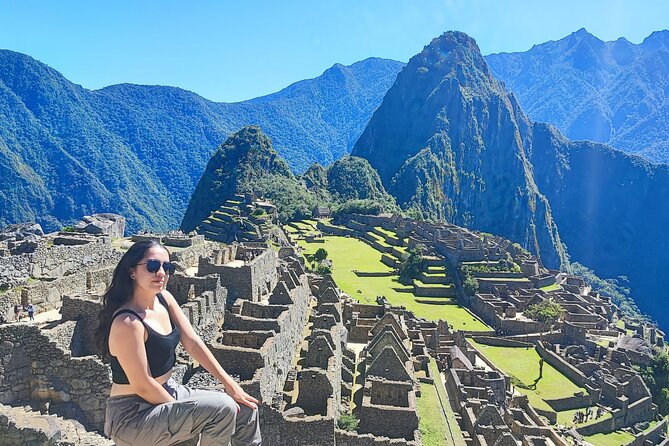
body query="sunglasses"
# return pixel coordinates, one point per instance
(153, 265)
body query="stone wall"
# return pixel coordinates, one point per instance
(555, 360)
(250, 281)
(35, 368)
(58, 260)
(344, 438)
(7, 301)
(191, 255)
(48, 295)
(85, 311)
(500, 341)
(269, 365)
(185, 287)
(278, 430)
(393, 421)
(21, 427)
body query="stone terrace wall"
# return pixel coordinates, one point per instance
(250, 281)
(48, 295)
(34, 367)
(85, 312)
(7, 301)
(274, 357)
(309, 431)
(60, 260)
(191, 255)
(561, 365)
(344, 438)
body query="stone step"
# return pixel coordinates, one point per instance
(22, 425)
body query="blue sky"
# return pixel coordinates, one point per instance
(234, 50)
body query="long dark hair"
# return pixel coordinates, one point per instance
(120, 292)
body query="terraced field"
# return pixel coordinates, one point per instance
(349, 254)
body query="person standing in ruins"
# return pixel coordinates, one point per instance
(17, 312)
(140, 326)
(31, 311)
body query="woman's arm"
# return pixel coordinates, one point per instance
(126, 342)
(199, 351)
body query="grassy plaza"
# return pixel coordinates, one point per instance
(349, 254)
(523, 364)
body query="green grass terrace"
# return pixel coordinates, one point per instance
(523, 365)
(349, 254)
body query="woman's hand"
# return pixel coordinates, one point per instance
(240, 396)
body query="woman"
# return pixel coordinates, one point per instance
(140, 327)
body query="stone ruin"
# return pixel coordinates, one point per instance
(311, 354)
(487, 408)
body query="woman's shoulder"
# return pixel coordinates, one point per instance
(126, 317)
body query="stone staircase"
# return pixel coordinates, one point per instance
(22, 426)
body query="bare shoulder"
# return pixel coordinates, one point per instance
(169, 298)
(126, 323)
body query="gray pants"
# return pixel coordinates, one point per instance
(131, 421)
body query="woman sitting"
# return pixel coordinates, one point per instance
(140, 326)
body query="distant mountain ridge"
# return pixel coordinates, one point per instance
(450, 142)
(611, 92)
(140, 150)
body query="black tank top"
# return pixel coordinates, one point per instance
(160, 349)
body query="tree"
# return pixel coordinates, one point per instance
(411, 266)
(471, 285)
(547, 312)
(322, 269)
(320, 255)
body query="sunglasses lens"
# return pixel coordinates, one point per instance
(169, 268)
(153, 265)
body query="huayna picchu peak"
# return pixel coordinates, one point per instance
(449, 141)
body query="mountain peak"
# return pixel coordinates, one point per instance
(657, 39)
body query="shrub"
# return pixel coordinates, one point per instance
(348, 422)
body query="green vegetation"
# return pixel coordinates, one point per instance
(247, 162)
(522, 364)
(126, 147)
(349, 254)
(503, 265)
(412, 266)
(348, 422)
(547, 312)
(553, 287)
(616, 438)
(454, 434)
(320, 254)
(370, 207)
(431, 424)
(470, 284)
(656, 378)
(617, 289)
